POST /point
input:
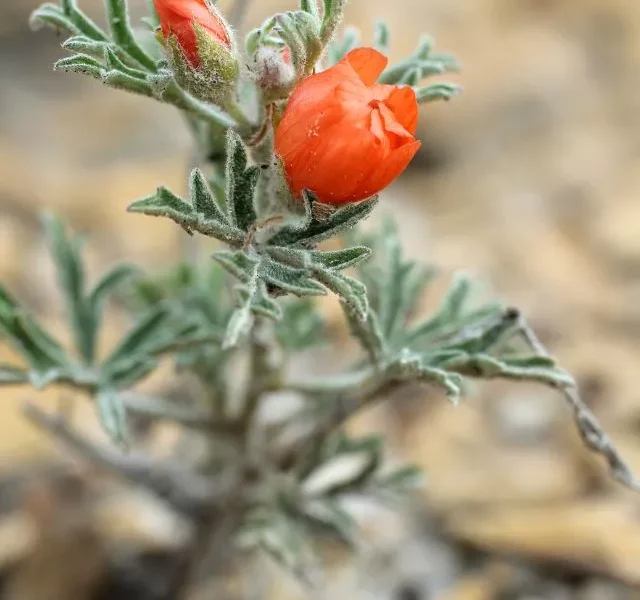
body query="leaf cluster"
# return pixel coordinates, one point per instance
(269, 259)
(121, 58)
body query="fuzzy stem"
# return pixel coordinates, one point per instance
(159, 408)
(175, 95)
(264, 368)
(590, 430)
(186, 491)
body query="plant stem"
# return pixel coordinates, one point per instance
(175, 95)
(188, 492)
(265, 362)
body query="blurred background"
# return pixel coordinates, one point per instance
(530, 180)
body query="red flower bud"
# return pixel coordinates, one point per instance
(345, 137)
(200, 46)
(178, 17)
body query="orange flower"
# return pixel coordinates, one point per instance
(345, 137)
(179, 18)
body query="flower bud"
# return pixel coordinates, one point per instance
(274, 71)
(201, 47)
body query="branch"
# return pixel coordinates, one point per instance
(588, 426)
(192, 494)
(160, 408)
(378, 387)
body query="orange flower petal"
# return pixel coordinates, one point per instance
(367, 63)
(404, 105)
(392, 167)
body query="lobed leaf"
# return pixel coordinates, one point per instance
(312, 230)
(71, 281)
(241, 183)
(149, 331)
(289, 279)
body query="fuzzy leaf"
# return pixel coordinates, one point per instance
(351, 291)
(301, 326)
(7, 302)
(281, 537)
(367, 332)
(129, 83)
(38, 348)
(342, 464)
(80, 63)
(70, 271)
(332, 17)
(486, 336)
(164, 203)
(241, 183)
(81, 44)
(437, 91)
(67, 17)
(126, 373)
(339, 260)
(327, 515)
(450, 309)
(395, 487)
(311, 7)
(260, 303)
(10, 375)
(489, 367)
(411, 366)
(203, 200)
(240, 324)
(50, 15)
(123, 35)
(423, 62)
(113, 416)
(240, 264)
(311, 230)
(149, 330)
(107, 286)
(295, 281)
(381, 36)
(114, 62)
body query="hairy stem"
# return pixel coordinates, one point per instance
(188, 492)
(587, 424)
